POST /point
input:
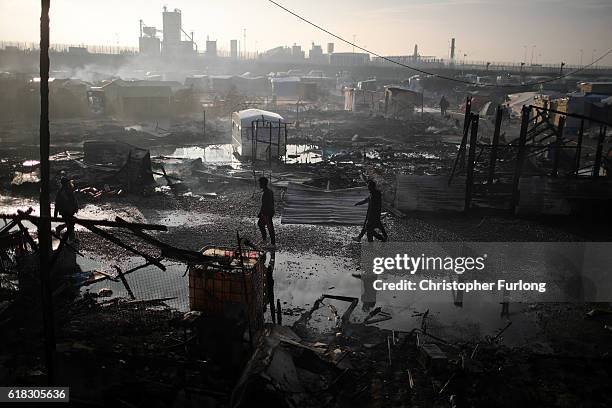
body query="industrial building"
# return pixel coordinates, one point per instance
(172, 44)
(211, 49)
(148, 42)
(349, 58)
(315, 55)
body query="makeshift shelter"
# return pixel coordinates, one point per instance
(400, 102)
(285, 87)
(119, 163)
(139, 99)
(259, 135)
(357, 100)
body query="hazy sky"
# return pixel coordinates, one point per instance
(499, 30)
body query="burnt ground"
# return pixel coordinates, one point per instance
(563, 361)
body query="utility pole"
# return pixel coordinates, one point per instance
(44, 224)
(204, 121)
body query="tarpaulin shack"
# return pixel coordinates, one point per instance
(139, 99)
(400, 102)
(357, 100)
(307, 91)
(285, 87)
(118, 163)
(259, 135)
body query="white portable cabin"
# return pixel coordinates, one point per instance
(259, 135)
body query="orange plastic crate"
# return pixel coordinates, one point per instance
(218, 289)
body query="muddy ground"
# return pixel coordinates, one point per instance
(551, 353)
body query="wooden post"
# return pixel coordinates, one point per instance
(44, 226)
(460, 154)
(579, 148)
(204, 122)
(469, 180)
(494, 143)
(254, 132)
(279, 313)
(468, 112)
(558, 143)
(121, 276)
(278, 137)
(270, 285)
(598, 152)
(520, 156)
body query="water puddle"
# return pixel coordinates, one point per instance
(223, 154)
(146, 283)
(300, 279)
(182, 218)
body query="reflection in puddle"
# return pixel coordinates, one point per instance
(300, 279)
(146, 283)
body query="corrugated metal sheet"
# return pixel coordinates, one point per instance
(429, 193)
(309, 205)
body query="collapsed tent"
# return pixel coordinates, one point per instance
(118, 163)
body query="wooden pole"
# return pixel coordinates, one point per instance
(579, 148)
(279, 313)
(493, 157)
(469, 180)
(270, 285)
(44, 226)
(557, 146)
(461, 153)
(520, 156)
(270, 146)
(468, 112)
(599, 151)
(204, 123)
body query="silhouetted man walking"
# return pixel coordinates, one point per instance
(373, 222)
(266, 212)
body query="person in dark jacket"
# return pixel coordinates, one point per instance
(266, 212)
(444, 104)
(373, 222)
(66, 205)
